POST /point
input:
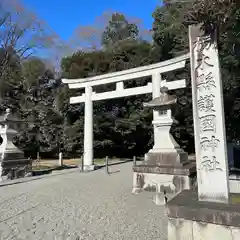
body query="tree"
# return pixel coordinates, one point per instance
(119, 29)
(106, 30)
(223, 18)
(38, 108)
(21, 35)
(26, 82)
(10, 79)
(170, 33)
(122, 127)
(118, 123)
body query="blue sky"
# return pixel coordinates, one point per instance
(64, 16)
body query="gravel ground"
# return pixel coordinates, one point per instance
(80, 206)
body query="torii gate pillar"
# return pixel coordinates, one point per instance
(88, 131)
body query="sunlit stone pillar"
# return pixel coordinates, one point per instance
(88, 131)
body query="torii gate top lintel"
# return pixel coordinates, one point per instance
(121, 76)
(161, 67)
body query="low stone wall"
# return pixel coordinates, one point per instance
(190, 219)
(182, 229)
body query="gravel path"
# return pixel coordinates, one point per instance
(80, 206)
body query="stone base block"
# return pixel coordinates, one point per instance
(89, 168)
(15, 168)
(10, 155)
(176, 158)
(190, 219)
(182, 229)
(165, 182)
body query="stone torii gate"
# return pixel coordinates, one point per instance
(154, 70)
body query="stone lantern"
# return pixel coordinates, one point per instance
(166, 168)
(165, 150)
(12, 161)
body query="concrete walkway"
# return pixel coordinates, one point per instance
(80, 206)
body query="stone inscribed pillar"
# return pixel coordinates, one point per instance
(209, 123)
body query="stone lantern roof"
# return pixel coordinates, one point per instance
(162, 101)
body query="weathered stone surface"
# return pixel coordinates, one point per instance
(182, 229)
(188, 169)
(213, 231)
(88, 168)
(178, 158)
(166, 169)
(186, 205)
(179, 229)
(208, 115)
(166, 186)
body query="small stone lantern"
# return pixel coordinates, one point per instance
(12, 161)
(165, 150)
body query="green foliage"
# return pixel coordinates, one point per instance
(170, 35)
(118, 29)
(122, 127)
(171, 39)
(38, 108)
(116, 122)
(10, 79)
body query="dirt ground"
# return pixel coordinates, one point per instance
(54, 162)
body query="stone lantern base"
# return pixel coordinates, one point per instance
(166, 169)
(166, 180)
(14, 165)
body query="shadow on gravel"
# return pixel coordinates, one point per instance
(36, 175)
(118, 171)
